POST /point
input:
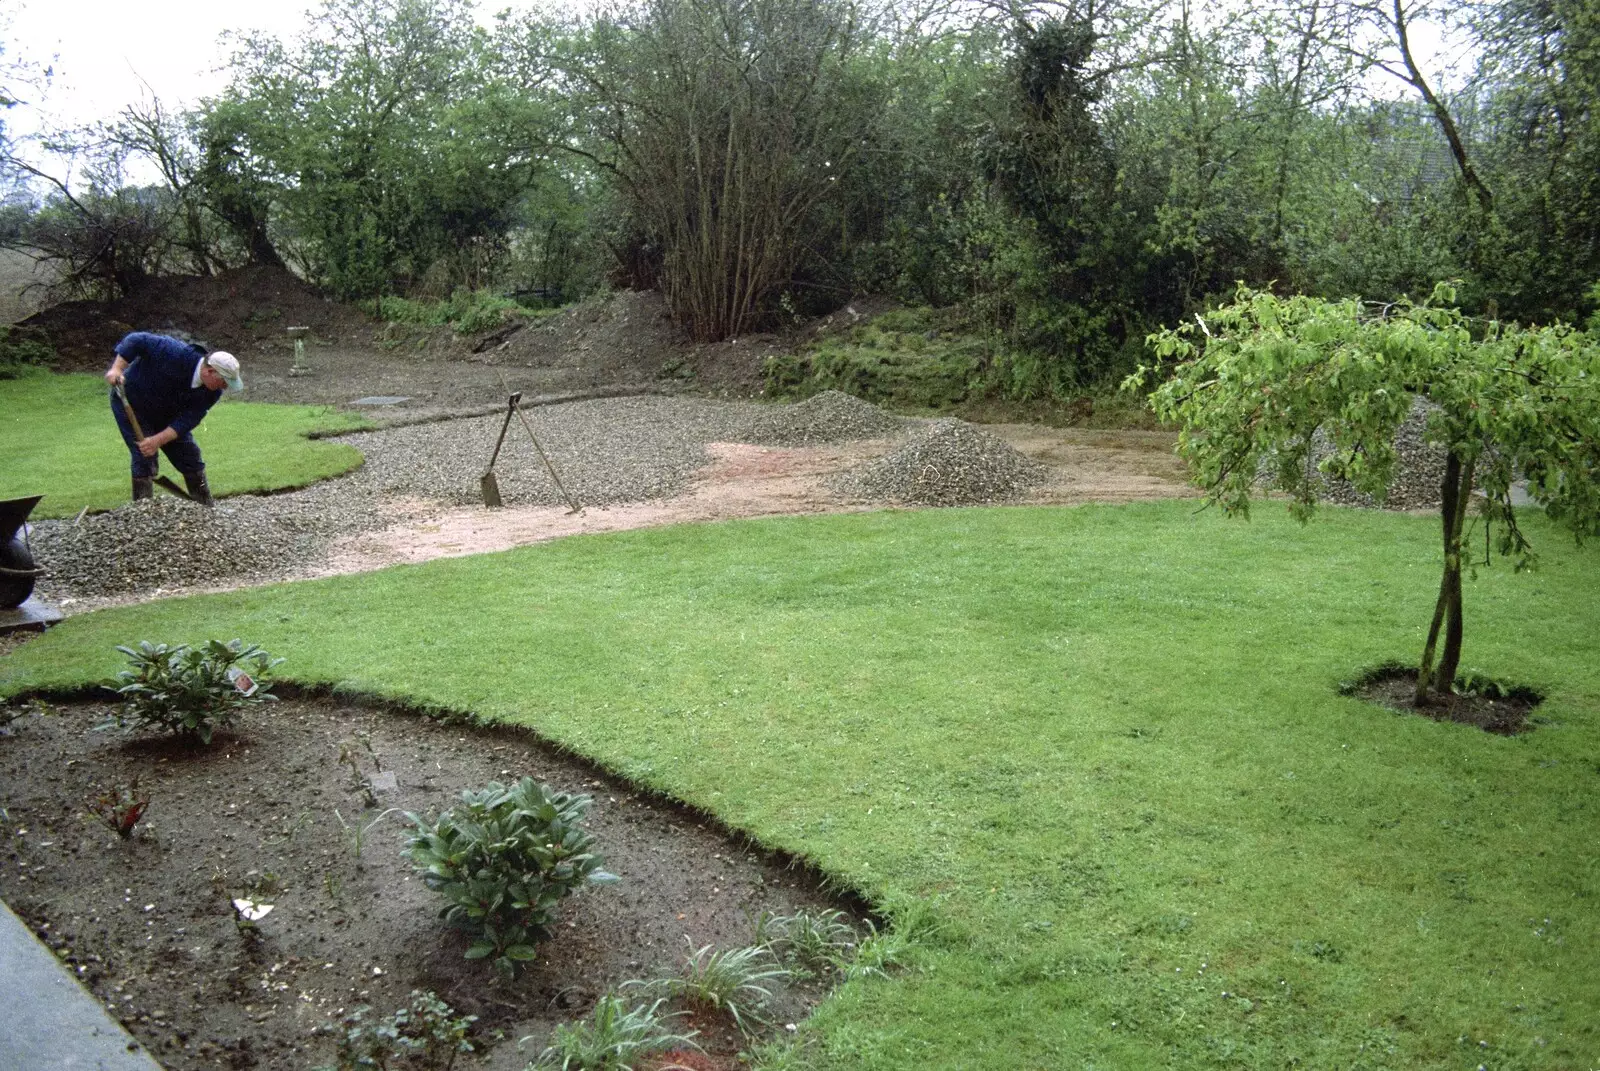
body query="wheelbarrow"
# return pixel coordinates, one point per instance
(17, 571)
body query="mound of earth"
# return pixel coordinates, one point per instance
(829, 417)
(953, 464)
(625, 337)
(243, 310)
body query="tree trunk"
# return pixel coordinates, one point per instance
(1450, 661)
(1455, 492)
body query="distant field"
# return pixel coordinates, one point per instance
(22, 285)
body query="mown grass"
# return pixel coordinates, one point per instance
(1103, 745)
(59, 439)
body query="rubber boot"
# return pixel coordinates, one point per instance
(195, 483)
(143, 487)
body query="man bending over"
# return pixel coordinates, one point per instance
(170, 385)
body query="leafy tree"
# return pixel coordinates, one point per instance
(104, 237)
(382, 141)
(1257, 380)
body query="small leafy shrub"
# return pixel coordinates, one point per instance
(120, 807)
(503, 861)
(428, 1034)
(192, 691)
(879, 953)
(729, 981)
(612, 1038)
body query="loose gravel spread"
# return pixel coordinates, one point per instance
(951, 464)
(829, 417)
(606, 451)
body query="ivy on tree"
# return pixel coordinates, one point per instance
(1256, 379)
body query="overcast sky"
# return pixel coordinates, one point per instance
(104, 53)
(107, 55)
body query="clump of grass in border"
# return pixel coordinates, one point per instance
(120, 808)
(612, 1038)
(730, 981)
(466, 312)
(808, 942)
(192, 691)
(504, 860)
(880, 952)
(428, 1033)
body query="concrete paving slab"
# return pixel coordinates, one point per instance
(52, 1023)
(32, 615)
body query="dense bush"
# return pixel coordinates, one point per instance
(22, 349)
(192, 691)
(466, 312)
(503, 861)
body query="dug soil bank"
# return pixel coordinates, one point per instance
(268, 813)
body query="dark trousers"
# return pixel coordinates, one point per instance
(183, 452)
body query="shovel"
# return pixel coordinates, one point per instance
(491, 486)
(164, 482)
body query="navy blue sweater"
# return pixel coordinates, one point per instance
(160, 371)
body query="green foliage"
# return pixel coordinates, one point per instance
(192, 691)
(426, 1034)
(22, 350)
(1256, 381)
(732, 981)
(613, 1038)
(1264, 374)
(908, 358)
(503, 861)
(812, 942)
(386, 140)
(466, 312)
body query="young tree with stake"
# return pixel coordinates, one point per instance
(1256, 379)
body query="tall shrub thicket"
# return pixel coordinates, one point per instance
(724, 124)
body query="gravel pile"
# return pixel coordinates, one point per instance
(606, 451)
(829, 417)
(952, 464)
(160, 543)
(1418, 472)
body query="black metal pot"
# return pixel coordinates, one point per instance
(17, 571)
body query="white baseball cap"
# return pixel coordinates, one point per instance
(226, 365)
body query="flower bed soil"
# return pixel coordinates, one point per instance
(147, 924)
(1505, 714)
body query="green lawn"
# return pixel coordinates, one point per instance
(58, 439)
(1103, 743)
